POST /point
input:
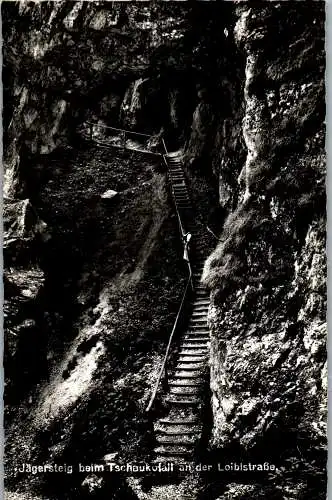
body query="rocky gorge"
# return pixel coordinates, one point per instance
(92, 283)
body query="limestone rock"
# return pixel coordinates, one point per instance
(109, 194)
(93, 484)
(268, 273)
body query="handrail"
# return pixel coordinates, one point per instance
(211, 232)
(163, 143)
(163, 370)
(118, 129)
(164, 367)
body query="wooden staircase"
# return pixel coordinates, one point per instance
(179, 433)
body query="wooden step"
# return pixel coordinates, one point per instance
(184, 421)
(195, 340)
(197, 336)
(198, 322)
(189, 374)
(197, 373)
(190, 400)
(188, 345)
(185, 390)
(184, 382)
(201, 306)
(167, 459)
(172, 451)
(189, 356)
(175, 430)
(199, 329)
(194, 349)
(178, 439)
(202, 351)
(203, 330)
(186, 355)
(191, 367)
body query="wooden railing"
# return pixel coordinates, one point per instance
(129, 132)
(122, 135)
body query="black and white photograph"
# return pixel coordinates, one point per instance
(164, 249)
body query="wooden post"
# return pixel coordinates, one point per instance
(91, 131)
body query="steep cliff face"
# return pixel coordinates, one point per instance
(267, 274)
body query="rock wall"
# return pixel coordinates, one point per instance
(267, 274)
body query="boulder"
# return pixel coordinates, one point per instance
(109, 194)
